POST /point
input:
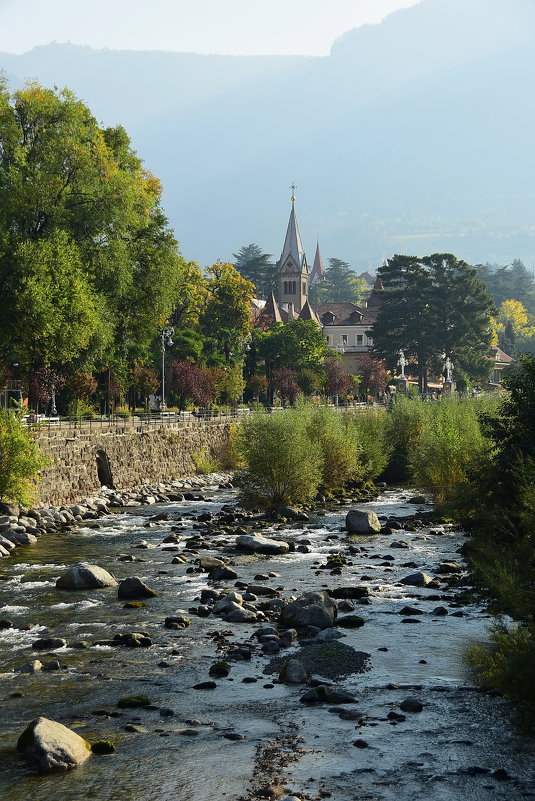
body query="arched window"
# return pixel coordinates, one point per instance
(304, 288)
(293, 288)
(286, 287)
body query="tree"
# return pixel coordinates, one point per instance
(432, 306)
(285, 383)
(338, 382)
(298, 344)
(372, 375)
(144, 382)
(513, 325)
(88, 267)
(20, 459)
(256, 267)
(226, 316)
(509, 281)
(188, 382)
(340, 284)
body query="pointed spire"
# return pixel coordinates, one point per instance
(318, 270)
(376, 298)
(269, 315)
(293, 244)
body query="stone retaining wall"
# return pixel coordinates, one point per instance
(83, 460)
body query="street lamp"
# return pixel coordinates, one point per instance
(167, 341)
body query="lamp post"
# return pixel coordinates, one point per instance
(341, 350)
(167, 341)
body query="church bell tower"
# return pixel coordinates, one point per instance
(292, 272)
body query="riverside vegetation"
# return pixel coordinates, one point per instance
(474, 456)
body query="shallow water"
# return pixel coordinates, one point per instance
(430, 752)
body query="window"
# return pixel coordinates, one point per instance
(344, 339)
(294, 290)
(304, 288)
(286, 287)
(359, 339)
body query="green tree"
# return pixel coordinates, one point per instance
(340, 284)
(81, 225)
(432, 306)
(257, 267)
(226, 316)
(20, 459)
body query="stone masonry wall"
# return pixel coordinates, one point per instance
(135, 457)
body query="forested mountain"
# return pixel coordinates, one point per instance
(412, 136)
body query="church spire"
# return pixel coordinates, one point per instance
(292, 266)
(293, 244)
(318, 270)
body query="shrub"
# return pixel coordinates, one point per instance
(369, 431)
(340, 464)
(204, 462)
(508, 665)
(449, 442)
(20, 459)
(283, 466)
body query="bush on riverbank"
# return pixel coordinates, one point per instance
(289, 456)
(282, 465)
(371, 431)
(20, 459)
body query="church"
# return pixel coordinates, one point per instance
(344, 324)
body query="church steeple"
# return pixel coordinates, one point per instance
(318, 270)
(292, 276)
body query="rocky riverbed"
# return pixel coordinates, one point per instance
(269, 658)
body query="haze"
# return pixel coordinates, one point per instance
(238, 27)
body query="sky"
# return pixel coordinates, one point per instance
(238, 27)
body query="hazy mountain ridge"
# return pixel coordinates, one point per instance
(395, 143)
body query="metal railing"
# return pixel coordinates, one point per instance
(141, 421)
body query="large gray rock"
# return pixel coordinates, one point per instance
(256, 543)
(416, 580)
(362, 522)
(133, 587)
(52, 746)
(311, 609)
(293, 672)
(84, 577)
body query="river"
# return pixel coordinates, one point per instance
(243, 738)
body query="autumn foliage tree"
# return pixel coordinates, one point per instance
(190, 383)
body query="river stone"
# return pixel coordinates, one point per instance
(327, 695)
(84, 576)
(256, 543)
(362, 522)
(207, 563)
(291, 513)
(350, 592)
(446, 568)
(133, 587)
(310, 609)
(35, 666)
(416, 580)
(293, 672)
(234, 613)
(411, 705)
(53, 746)
(49, 643)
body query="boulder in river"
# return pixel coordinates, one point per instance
(84, 576)
(311, 609)
(416, 580)
(257, 543)
(359, 521)
(52, 746)
(133, 587)
(293, 672)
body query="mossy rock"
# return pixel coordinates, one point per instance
(102, 747)
(219, 670)
(133, 701)
(134, 605)
(350, 622)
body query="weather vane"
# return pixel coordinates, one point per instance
(293, 188)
